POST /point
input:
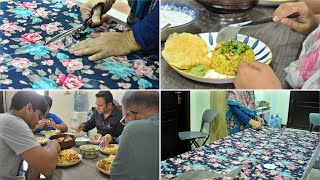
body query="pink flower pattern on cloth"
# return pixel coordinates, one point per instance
(26, 63)
(291, 151)
(305, 72)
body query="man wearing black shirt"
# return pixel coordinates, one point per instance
(106, 118)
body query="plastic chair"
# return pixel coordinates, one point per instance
(207, 117)
(314, 119)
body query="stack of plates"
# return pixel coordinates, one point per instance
(228, 6)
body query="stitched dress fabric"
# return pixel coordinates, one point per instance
(26, 63)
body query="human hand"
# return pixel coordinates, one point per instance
(261, 120)
(97, 136)
(53, 124)
(97, 18)
(314, 6)
(32, 174)
(255, 124)
(255, 75)
(52, 144)
(105, 45)
(79, 128)
(106, 140)
(41, 123)
(303, 24)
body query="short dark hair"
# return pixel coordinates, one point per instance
(106, 95)
(22, 98)
(48, 100)
(141, 99)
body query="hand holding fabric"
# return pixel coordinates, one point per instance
(105, 45)
(255, 124)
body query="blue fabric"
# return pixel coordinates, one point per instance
(55, 118)
(26, 63)
(146, 32)
(290, 150)
(241, 115)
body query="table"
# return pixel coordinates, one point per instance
(284, 43)
(86, 169)
(245, 153)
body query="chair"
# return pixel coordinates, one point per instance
(314, 119)
(207, 117)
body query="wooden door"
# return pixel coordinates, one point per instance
(175, 117)
(302, 103)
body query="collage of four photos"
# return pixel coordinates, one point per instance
(160, 89)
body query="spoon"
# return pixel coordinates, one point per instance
(230, 31)
(165, 27)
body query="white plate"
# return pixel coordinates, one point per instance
(50, 132)
(105, 172)
(274, 2)
(41, 140)
(70, 164)
(105, 152)
(261, 51)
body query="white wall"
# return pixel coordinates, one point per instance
(279, 101)
(199, 102)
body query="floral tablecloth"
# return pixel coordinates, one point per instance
(288, 150)
(26, 63)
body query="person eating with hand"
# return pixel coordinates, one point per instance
(106, 118)
(49, 121)
(303, 73)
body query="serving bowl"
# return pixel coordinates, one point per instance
(82, 140)
(180, 16)
(228, 6)
(89, 151)
(66, 143)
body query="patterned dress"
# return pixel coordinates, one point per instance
(305, 72)
(245, 100)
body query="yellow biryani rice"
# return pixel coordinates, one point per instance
(227, 55)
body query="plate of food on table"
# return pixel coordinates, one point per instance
(200, 58)
(41, 140)
(68, 157)
(109, 149)
(50, 132)
(104, 165)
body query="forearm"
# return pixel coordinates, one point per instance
(146, 32)
(243, 117)
(62, 127)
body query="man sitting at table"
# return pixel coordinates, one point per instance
(49, 121)
(138, 153)
(105, 118)
(17, 143)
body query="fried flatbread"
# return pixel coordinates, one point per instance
(185, 50)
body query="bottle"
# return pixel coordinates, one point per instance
(79, 102)
(272, 122)
(279, 121)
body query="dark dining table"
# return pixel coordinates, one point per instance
(285, 45)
